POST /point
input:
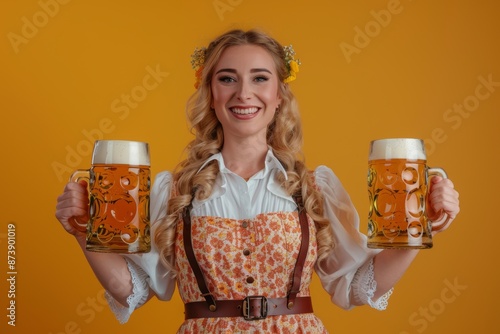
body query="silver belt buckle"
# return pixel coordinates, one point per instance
(254, 308)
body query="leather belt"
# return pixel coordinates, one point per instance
(250, 308)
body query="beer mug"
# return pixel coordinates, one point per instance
(119, 186)
(397, 189)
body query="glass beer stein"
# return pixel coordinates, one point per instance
(119, 187)
(397, 189)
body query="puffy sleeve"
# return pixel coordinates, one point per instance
(347, 273)
(146, 269)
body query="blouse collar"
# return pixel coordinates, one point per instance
(271, 165)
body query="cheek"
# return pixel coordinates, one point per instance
(273, 99)
(215, 101)
(216, 112)
(219, 97)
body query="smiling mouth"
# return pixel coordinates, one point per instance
(244, 111)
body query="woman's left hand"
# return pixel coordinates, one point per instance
(442, 198)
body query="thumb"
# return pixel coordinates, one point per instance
(436, 179)
(83, 183)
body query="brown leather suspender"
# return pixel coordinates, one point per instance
(252, 307)
(188, 248)
(301, 259)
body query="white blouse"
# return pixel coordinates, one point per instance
(347, 274)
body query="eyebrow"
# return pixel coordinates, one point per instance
(253, 70)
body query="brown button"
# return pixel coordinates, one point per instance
(246, 252)
(244, 224)
(250, 279)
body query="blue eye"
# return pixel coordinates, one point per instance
(226, 79)
(261, 78)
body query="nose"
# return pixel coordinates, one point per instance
(244, 91)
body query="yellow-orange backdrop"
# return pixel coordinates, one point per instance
(74, 71)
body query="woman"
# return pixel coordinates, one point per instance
(228, 223)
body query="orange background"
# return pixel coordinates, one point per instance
(382, 68)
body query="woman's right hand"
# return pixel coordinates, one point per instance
(72, 208)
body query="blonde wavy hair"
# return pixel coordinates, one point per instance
(284, 136)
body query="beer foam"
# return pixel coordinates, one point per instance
(121, 152)
(397, 148)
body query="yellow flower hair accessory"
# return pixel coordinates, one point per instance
(291, 63)
(197, 62)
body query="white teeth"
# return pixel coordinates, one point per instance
(244, 111)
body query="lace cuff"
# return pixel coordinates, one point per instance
(364, 286)
(140, 293)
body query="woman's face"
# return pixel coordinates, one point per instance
(245, 91)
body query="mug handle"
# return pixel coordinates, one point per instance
(444, 221)
(79, 174)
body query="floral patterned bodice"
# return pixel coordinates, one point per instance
(246, 257)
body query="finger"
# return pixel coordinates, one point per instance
(444, 193)
(72, 200)
(443, 189)
(72, 207)
(446, 200)
(435, 179)
(80, 187)
(72, 216)
(73, 194)
(437, 182)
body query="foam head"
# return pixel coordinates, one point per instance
(121, 152)
(397, 148)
